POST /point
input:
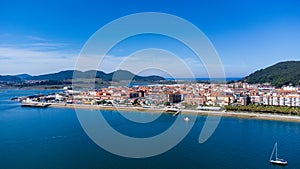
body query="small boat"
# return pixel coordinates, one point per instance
(277, 161)
(186, 119)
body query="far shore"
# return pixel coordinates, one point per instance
(248, 115)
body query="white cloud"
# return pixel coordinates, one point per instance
(155, 61)
(47, 44)
(44, 57)
(36, 38)
(34, 60)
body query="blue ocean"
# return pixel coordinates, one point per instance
(50, 138)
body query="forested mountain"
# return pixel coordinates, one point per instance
(283, 73)
(9, 79)
(68, 75)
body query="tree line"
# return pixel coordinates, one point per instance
(289, 110)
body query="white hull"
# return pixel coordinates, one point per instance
(34, 104)
(278, 162)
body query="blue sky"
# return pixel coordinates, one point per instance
(38, 37)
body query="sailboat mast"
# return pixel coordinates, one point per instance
(277, 161)
(273, 151)
(276, 150)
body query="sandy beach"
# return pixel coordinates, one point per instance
(249, 115)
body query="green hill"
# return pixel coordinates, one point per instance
(283, 73)
(68, 75)
(117, 75)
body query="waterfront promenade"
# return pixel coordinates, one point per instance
(250, 115)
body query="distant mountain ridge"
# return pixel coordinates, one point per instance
(10, 79)
(282, 73)
(68, 74)
(24, 76)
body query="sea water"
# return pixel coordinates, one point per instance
(53, 138)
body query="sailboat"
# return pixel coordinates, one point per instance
(277, 160)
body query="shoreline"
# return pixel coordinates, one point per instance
(245, 115)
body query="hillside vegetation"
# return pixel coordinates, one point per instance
(283, 73)
(65, 78)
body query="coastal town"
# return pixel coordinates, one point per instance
(185, 96)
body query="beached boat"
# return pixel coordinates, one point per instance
(277, 161)
(147, 107)
(171, 109)
(34, 104)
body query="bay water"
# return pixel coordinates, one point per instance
(42, 138)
